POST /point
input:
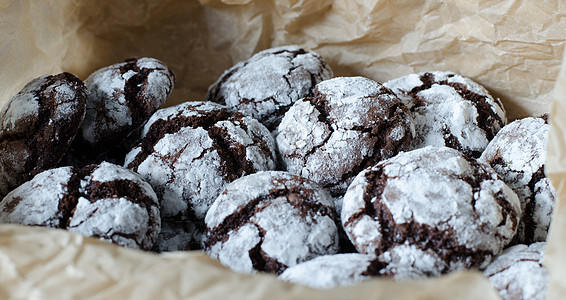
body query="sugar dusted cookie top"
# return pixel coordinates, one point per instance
(269, 82)
(518, 273)
(430, 211)
(349, 124)
(329, 271)
(269, 221)
(450, 110)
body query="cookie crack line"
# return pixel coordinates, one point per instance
(379, 133)
(88, 217)
(486, 117)
(320, 104)
(172, 125)
(39, 156)
(260, 260)
(528, 215)
(232, 154)
(69, 202)
(245, 213)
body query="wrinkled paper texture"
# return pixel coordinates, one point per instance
(513, 48)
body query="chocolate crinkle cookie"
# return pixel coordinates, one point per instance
(518, 273)
(349, 124)
(37, 125)
(268, 83)
(430, 211)
(121, 98)
(517, 154)
(450, 110)
(191, 151)
(269, 221)
(105, 201)
(329, 271)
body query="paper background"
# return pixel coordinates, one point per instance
(514, 48)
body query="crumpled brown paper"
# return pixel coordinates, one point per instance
(512, 47)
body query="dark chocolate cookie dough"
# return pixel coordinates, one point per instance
(349, 124)
(37, 126)
(269, 221)
(105, 201)
(268, 83)
(450, 110)
(430, 211)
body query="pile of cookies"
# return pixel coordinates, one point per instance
(286, 169)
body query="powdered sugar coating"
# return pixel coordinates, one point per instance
(269, 82)
(37, 126)
(105, 201)
(111, 219)
(409, 262)
(517, 154)
(518, 273)
(329, 271)
(189, 153)
(36, 202)
(269, 221)
(349, 124)
(120, 99)
(432, 210)
(450, 110)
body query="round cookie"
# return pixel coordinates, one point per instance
(105, 201)
(450, 110)
(430, 211)
(121, 97)
(518, 273)
(37, 126)
(269, 82)
(349, 124)
(329, 271)
(189, 152)
(517, 153)
(269, 221)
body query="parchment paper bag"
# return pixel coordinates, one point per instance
(513, 48)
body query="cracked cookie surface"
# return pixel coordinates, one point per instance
(349, 124)
(517, 154)
(430, 211)
(37, 126)
(518, 273)
(270, 221)
(450, 110)
(189, 152)
(268, 83)
(121, 97)
(105, 201)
